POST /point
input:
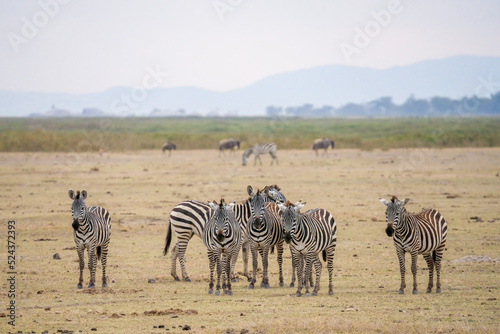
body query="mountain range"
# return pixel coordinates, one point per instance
(328, 85)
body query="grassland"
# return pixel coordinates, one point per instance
(122, 134)
(139, 188)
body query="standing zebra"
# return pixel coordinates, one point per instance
(222, 237)
(417, 233)
(228, 144)
(265, 230)
(92, 230)
(188, 218)
(168, 146)
(309, 235)
(259, 149)
(323, 143)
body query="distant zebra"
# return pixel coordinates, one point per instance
(265, 230)
(228, 144)
(323, 143)
(92, 230)
(188, 218)
(417, 233)
(169, 146)
(259, 149)
(222, 237)
(310, 234)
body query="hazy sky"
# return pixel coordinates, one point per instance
(89, 46)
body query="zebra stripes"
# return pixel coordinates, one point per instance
(222, 237)
(259, 149)
(421, 233)
(92, 230)
(309, 235)
(188, 218)
(265, 231)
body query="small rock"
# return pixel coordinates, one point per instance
(56, 256)
(93, 329)
(355, 255)
(47, 308)
(186, 328)
(161, 326)
(150, 280)
(244, 331)
(2, 315)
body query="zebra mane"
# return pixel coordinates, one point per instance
(77, 196)
(289, 204)
(394, 198)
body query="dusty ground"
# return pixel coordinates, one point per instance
(140, 188)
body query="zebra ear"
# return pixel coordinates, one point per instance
(71, 194)
(84, 194)
(231, 206)
(384, 201)
(406, 200)
(250, 191)
(214, 205)
(299, 206)
(299, 202)
(282, 207)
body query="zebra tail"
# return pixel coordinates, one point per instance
(168, 239)
(272, 250)
(98, 253)
(434, 256)
(324, 255)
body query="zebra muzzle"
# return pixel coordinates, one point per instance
(75, 224)
(288, 237)
(220, 237)
(389, 230)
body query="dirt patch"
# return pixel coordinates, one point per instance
(475, 259)
(171, 311)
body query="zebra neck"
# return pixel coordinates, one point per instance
(403, 224)
(83, 227)
(299, 228)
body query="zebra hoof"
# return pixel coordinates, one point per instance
(415, 292)
(267, 286)
(262, 284)
(307, 294)
(188, 279)
(314, 293)
(282, 284)
(210, 291)
(79, 286)
(438, 290)
(217, 293)
(104, 285)
(229, 293)
(177, 279)
(330, 293)
(298, 294)
(250, 287)
(234, 280)
(428, 291)
(401, 292)
(292, 285)
(91, 286)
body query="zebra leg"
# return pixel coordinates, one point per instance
(294, 267)
(181, 254)
(253, 248)
(224, 257)
(414, 271)
(264, 254)
(279, 247)
(81, 250)
(317, 267)
(300, 274)
(228, 292)
(92, 266)
(211, 259)
(330, 255)
(430, 265)
(437, 263)
(310, 260)
(104, 260)
(219, 273)
(173, 270)
(245, 254)
(401, 257)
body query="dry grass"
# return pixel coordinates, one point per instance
(140, 188)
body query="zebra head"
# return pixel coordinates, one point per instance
(222, 218)
(273, 194)
(392, 213)
(290, 216)
(246, 154)
(78, 208)
(257, 204)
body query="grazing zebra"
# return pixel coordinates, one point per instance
(228, 144)
(265, 230)
(259, 149)
(323, 143)
(310, 234)
(188, 218)
(222, 237)
(92, 230)
(169, 146)
(417, 233)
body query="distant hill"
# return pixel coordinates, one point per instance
(332, 85)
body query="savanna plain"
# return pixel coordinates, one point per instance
(139, 188)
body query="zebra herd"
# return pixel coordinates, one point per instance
(264, 221)
(258, 149)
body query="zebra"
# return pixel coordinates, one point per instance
(309, 234)
(259, 149)
(169, 146)
(228, 144)
(188, 218)
(417, 233)
(323, 143)
(265, 230)
(92, 230)
(222, 237)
